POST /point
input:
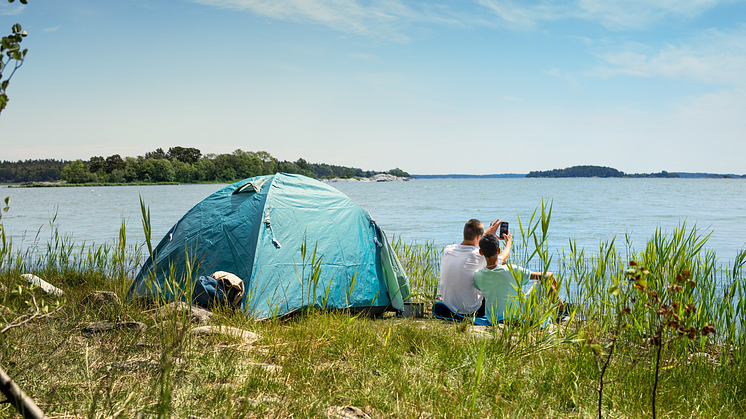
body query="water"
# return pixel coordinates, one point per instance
(586, 210)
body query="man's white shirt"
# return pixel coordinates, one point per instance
(456, 285)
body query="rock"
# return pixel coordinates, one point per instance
(101, 299)
(101, 327)
(267, 367)
(197, 315)
(43, 285)
(245, 335)
(258, 400)
(345, 412)
(381, 177)
(132, 364)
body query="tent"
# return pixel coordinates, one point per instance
(294, 241)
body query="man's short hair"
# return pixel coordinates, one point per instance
(489, 245)
(472, 229)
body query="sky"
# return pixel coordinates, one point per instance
(470, 86)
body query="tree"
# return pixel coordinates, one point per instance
(157, 154)
(76, 172)
(96, 163)
(113, 163)
(10, 50)
(185, 155)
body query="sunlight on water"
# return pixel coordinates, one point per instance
(586, 210)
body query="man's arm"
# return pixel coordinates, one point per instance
(548, 275)
(506, 249)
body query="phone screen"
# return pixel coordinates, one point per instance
(503, 228)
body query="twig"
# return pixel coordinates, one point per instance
(23, 404)
(37, 315)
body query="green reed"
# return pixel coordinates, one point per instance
(396, 367)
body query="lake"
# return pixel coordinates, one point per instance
(586, 210)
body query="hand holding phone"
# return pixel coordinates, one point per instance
(503, 229)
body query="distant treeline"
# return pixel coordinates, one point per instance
(596, 171)
(178, 164)
(31, 170)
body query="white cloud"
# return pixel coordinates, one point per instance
(714, 56)
(54, 29)
(363, 56)
(390, 19)
(570, 79)
(378, 20)
(614, 14)
(11, 10)
(640, 13)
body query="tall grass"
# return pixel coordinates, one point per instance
(389, 367)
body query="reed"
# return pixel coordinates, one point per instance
(390, 366)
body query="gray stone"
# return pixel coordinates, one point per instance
(345, 412)
(132, 364)
(196, 314)
(101, 299)
(244, 335)
(258, 400)
(43, 285)
(102, 327)
(275, 369)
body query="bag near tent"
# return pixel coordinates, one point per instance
(255, 229)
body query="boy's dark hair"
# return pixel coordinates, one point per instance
(472, 229)
(489, 245)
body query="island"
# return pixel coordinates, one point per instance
(596, 171)
(178, 165)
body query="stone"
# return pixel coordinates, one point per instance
(276, 369)
(101, 299)
(197, 315)
(102, 327)
(43, 285)
(132, 364)
(258, 400)
(244, 335)
(345, 412)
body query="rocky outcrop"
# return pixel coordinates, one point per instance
(381, 177)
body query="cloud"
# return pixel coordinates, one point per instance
(391, 19)
(8, 10)
(378, 20)
(714, 56)
(54, 29)
(570, 79)
(363, 56)
(614, 14)
(620, 14)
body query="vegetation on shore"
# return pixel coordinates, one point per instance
(595, 171)
(177, 165)
(308, 363)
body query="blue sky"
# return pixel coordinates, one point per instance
(482, 86)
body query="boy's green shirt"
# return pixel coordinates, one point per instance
(497, 285)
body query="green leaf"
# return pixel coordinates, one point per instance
(614, 290)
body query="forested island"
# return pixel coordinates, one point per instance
(177, 165)
(596, 171)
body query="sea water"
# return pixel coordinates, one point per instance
(588, 211)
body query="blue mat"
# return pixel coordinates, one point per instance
(441, 311)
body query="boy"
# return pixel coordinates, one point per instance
(496, 280)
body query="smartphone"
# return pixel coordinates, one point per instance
(503, 229)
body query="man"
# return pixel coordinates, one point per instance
(496, 281)
(457, 267)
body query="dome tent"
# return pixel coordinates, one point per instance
(257, 228)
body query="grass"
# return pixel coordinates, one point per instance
(389, 366)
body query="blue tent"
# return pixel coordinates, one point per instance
(257, 228)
